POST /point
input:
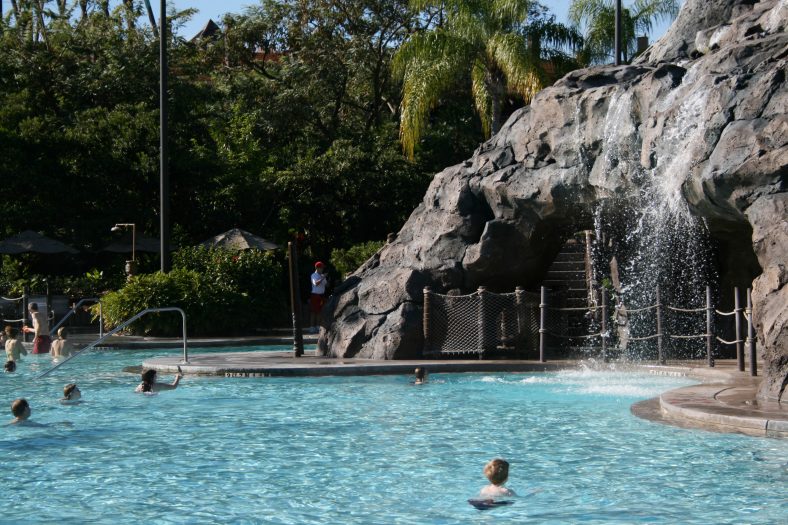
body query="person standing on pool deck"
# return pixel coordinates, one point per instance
(497, 471)
(14, 349)
(42, 340)
(317, 299)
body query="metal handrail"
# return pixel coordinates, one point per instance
(74, 310)
(121, 327)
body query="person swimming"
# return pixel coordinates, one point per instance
(71, 394)
(421, 376)
(9, 367)
(149, 384)
(20, 408)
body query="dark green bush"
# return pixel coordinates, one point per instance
(222, 293)
(347, 261)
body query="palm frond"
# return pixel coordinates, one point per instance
(430, 63)
(482, 99)
(581, 12)
(508, 52)
(646, 13)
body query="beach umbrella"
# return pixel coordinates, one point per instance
(238, 239)
(30, 241)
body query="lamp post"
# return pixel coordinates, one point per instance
(131, 266)
(618, 35)
(164, 176)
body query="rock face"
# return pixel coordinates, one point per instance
(699, 119)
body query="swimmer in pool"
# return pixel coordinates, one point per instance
(10, 367)
(497, 471)
(20, 408)
(421, 376)
(149, 384)
(71, 394)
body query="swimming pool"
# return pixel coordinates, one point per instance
(370, 450)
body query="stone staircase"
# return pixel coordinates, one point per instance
(568, 285)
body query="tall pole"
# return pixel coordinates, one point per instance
(618, 34)
(751, 335)
(709, 328)
(164, 175)
(660, 355)
(542, 323)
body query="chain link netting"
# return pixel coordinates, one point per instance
(482, 323)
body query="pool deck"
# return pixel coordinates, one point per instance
(724, 401)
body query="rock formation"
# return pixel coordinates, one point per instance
(699, 118)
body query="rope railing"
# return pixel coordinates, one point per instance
(12, 299)
(638, 310)
(686, 310)
(482, 321)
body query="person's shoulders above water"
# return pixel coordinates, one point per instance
(496, 491)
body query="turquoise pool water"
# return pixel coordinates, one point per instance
(370, 450)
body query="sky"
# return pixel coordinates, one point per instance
(215, 8)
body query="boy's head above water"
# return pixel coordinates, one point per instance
(20, 408)
(497, 471)
(71, 392)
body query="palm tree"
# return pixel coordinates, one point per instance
(486, 38)
(598, 20)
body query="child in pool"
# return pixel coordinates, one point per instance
(60, 347)
(10, 367)
(149, 384)
(421, 376)
(71, 394)
(20, 408)
(14, 349)
(497, 471)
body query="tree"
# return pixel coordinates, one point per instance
(485, 42)
(597, 19)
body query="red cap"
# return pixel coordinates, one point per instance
(318, 264)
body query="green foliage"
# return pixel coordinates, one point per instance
(597, 19)
(488, 42)
(347, 261)
(221, 292)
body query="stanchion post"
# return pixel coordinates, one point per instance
(751, 335)
(660, 356)
(604, 324)
(295, 302)
(519, 300)
(25, 299)
(542, 323)
(426, 349)
(737, 322)
(482, 321)
(709, 328)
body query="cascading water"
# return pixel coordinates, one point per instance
(652, 238)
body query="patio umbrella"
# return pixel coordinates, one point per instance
(238, 239)
(142, 244)
(30, 241)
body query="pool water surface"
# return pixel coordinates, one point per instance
(369, 450)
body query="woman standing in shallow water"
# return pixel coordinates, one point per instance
(149, 383)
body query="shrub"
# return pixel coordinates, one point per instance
(347, 261)
(221, 292)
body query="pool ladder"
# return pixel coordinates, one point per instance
(121, 327)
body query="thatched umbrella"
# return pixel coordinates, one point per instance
(238, 239)
(30, 241)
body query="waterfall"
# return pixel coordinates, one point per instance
(653, 238)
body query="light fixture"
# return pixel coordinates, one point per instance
(119, 226)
